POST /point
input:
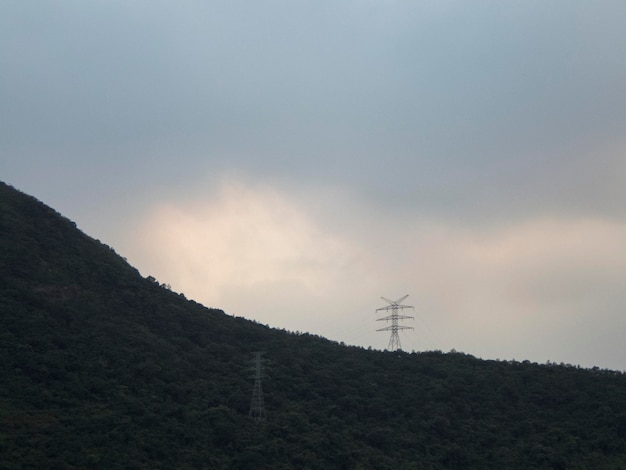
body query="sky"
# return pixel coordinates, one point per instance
(292, 161)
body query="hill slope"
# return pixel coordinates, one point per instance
(102, 368)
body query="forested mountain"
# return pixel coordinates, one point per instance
(102, 368)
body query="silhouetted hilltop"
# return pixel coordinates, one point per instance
(102, 368)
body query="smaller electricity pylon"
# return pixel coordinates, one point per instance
(394, 306)
(257, 407)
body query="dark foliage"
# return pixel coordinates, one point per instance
(102, 368)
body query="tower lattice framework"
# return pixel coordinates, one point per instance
(257, 405)
(393, 307)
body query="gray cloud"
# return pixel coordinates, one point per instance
(430, 114)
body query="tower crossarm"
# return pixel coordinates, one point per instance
(395, 317)
(394, 307)
(395, 328)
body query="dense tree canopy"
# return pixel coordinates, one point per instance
(102, 368)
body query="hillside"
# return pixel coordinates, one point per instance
(102, 368)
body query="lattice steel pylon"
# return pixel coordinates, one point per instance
(257, 406)
(394, 306)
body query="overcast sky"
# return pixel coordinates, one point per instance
(292, 161)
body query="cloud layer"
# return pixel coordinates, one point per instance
(293, 161)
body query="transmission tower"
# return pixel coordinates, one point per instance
(257, 407)
(394, 306)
